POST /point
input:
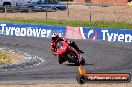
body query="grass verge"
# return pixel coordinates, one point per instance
(95, 24)
(5, 58)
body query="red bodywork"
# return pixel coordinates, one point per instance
(61, 47)
(54, 43)
(66, 52)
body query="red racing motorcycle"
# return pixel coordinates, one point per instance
(69, 54)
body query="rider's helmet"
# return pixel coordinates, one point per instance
(55, 36)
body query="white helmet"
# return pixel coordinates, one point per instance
(55, 36)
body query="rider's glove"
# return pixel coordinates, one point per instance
(54, 53)
(68, 41)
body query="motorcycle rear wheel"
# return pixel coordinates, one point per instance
(82, 61)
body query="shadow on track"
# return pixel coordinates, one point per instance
(72, 64)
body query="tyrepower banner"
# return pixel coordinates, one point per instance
(30, 30)
(68, 32)
(99, 34)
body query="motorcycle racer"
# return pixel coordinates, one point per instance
(55, 39)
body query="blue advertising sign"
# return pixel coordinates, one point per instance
(68, 32)
(30, 30)
(107, 34)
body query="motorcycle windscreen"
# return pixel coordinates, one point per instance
(61, 47)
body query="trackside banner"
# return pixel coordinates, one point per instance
(68, 32)
(30, 30)
(99, 34)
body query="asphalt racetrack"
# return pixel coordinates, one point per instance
(42, 67)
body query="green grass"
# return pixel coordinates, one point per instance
(5, 58)
(94, 24)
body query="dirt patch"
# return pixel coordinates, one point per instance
(14, 57)
(72, 85)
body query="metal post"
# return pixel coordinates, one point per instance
(68, 12)
(102, 4)
(90, 16)
(113, 16)
(46, 14)
(5, 11)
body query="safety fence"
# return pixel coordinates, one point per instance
(77, 12)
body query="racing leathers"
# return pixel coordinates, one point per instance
(71, 43)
